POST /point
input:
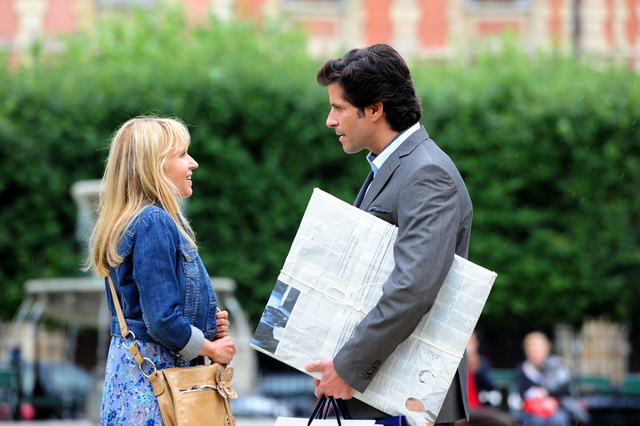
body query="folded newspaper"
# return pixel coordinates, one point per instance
(333, 276)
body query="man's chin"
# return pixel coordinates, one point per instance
(351, 150)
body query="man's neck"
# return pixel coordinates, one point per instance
(385, 137)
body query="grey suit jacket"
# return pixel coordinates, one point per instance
(420, 190)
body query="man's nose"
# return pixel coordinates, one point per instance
(331, 122)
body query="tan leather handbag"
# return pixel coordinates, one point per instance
(187, 396)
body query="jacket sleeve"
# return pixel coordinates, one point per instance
(155, 269)
(428, 214)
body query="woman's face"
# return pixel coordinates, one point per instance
(179, 169)
(536, 350)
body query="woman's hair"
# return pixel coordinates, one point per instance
(135, 177)
(376, 74)
(536, 337)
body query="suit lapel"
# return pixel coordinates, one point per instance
(363, 189)
(384, 174)
(388, 168)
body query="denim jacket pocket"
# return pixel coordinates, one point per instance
(189, 261)
(191, 268)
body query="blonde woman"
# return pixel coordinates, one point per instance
(544, 382)
(145, 244)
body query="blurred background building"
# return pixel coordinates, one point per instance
(431, 28)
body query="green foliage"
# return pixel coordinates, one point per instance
(257, 123)
(548, 148)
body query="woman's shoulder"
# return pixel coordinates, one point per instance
(151, 216)
(150, 223)
(152, 211)
(554, 362)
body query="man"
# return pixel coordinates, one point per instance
(414, 185)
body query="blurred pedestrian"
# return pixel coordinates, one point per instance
(479, 375)
(544, 383)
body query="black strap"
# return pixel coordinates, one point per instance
(318, 409)
(344, 409)
(322, 409)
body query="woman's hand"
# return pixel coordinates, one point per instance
(220, 350)
(222, 321)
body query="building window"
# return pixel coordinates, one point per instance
(122, 3)
(313, 2)
(498, 5)
(313, 5)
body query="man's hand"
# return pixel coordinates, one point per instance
(331, 383)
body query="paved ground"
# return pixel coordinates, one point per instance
(240, 421)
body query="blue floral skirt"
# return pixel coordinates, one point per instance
(127, 397)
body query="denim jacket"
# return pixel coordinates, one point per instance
(164, 289)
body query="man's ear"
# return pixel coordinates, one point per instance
(376, 110)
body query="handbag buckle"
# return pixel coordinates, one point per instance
(153, 366)
(124, 340)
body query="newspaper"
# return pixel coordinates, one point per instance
(333, 276)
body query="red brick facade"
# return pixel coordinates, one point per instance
(421, 27)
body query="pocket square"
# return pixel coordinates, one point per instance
(375, 209)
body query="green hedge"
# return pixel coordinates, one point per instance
(256, 120)
(548, 148)
(550, 151)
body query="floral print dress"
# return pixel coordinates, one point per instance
(127, 397)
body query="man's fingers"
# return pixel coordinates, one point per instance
(314, 366)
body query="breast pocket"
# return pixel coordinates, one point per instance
(189, 261)
(380, 212)
(192, 273)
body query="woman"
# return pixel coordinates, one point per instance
(145, 244)
(544, 383)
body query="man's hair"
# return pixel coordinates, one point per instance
(375, 74)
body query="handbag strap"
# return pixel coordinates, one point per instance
(124, 329)
(133, 347)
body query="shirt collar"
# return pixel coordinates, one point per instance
(376, 161)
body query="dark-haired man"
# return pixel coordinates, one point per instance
(414, 185)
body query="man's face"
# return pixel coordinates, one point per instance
(351, 125)
(415, 405)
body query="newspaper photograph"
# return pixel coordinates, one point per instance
(333, 275)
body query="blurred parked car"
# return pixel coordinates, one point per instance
(43, 390)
